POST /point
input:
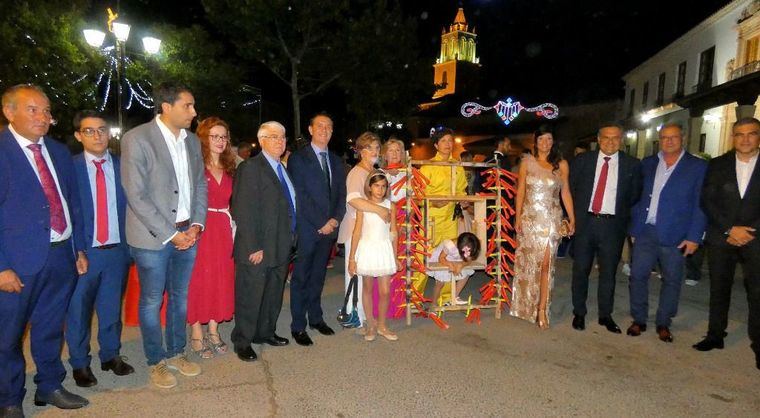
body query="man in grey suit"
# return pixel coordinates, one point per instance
(264, 208)
(163, 179)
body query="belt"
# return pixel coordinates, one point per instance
(107, 247)
(601, 215)
(183, 224)
(59, 243)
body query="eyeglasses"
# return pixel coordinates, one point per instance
(90, 132)
(275, 137)
(219, 138)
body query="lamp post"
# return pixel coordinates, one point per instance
(120, 31)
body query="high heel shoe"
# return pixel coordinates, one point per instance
(385, 332)
(218, 348)
(543, 321)
(205, 352)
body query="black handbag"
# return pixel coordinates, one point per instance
(350, 320)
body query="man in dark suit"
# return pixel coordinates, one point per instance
(731, 200)
(42, 250)
(667, 225)
(320, 183)
(264, 207)
(605, 185)
(103, 206)
(162, 173)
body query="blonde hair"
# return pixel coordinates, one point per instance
(364, 140)
(387, 144)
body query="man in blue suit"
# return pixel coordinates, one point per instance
(41, 250)
(103, 206)
(320, 183)
(667, 225)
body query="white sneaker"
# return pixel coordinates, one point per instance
(460, 301)
(161, 376)
(690, 282)
(181, 364)
(626, 270)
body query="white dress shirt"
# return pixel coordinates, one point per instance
(178, 153)
(113, 214)
(661, 177)
(317, 151)
(744, 173)
(24, 144)
(610, 188)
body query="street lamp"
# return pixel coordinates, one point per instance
(120, 31)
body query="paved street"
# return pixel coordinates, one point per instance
(502, 367)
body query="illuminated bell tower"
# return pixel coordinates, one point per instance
(457, 67)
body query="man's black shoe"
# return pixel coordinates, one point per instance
(246, 353)
(118, 365)
(60, 398)
(611, 326)
(84, 378)
(302, 338)
(708, 344)
(579, 322)
(323, 328)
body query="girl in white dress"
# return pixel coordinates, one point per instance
(373, 254)
(456, 257)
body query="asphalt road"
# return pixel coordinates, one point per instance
(504, 367)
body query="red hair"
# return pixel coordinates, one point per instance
(227, 158)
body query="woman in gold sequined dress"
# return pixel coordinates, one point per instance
(543, 179)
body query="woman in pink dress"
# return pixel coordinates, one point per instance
(211, 297)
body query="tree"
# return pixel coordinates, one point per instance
(316, 44)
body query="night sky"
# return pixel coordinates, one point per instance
(563, 51)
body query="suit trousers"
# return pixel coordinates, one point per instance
(307, 282)
(42, 303)
(100, 289)
(722, 261)
(258, 302)
(601, 238)
(648, 253)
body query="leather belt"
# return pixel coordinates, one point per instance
(107, 247)
(183, 224)
(601, 215)
(59, 243)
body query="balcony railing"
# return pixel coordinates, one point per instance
(750, 68)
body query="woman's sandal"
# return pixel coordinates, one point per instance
(387, 334)
(220, 347)
(205, 352)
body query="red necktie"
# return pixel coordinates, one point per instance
(57, 217)
(596, 206)
(101, 196)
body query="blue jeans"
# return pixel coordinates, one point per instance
(162, 270)
(647, 253)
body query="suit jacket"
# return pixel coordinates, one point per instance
(679, 214)
(582, 173)
(150, 184)
(88, 211)
(24, 213)
(317, 203)
(723, 204)
(260, 209)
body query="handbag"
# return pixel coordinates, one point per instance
(564, 228)
(350, 320)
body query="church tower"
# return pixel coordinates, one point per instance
(456, 69)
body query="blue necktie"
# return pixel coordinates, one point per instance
(325, 169)
(291, 208)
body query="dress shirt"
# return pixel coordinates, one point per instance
(178, 152)
(610, 189)
(661, 177)
(744, 173)
(113, 214)
(317, 150)
(274, 163)
(24, 144)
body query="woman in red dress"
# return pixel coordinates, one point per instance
(211, 297)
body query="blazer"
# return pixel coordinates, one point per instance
(150, 184)
(88, 211)
(679, 214)
(24, 213)
(582, 173)
(316, 202)
(723, 204)
(260, 209)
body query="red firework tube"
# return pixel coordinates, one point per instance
(489, 182)
(491, 246)
(509, 240)
(417, 211)
(418, 174)
(401, 202)
(399, 184)
(490, 218)
(438, 321)
(483, 288)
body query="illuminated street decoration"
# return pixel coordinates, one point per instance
(509, 110)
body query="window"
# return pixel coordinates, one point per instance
(702, 141)
(445, 78)
(681, 79)
(645, 95)
(706, 64)
(661, 89)
(631, 100)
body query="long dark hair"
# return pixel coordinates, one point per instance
(554, 156)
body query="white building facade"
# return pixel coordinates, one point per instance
(704, 80)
